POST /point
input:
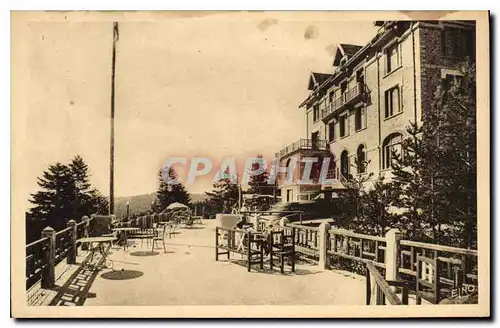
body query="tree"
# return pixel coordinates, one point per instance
(259, 184)
(168, 192)
(66, 193)
(86, 199)
(224, 196)
(54, 203)
(436, 170)
(366, 205)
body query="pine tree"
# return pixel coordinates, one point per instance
(66, 193)
(365, 204)
(259, 184)
(436, 172)
(55, 202)
(169, 193)
(224, 196)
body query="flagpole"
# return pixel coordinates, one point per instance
(112, 126)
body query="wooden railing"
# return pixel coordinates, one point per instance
(51, 249)
(450, 259)
(306, 242)
(63, 244)
(357, 247)
(383, 291)
(36, 261)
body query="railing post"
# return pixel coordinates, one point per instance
(71, 259)
(86, 227)
(324, 235)
(392, 251)
(48, 275)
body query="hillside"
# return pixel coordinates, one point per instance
(142, 203)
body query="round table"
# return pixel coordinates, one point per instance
(125, 231)
(99, 247)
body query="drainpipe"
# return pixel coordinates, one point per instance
(379, 117)
(414, 73)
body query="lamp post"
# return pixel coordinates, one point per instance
(128, 210)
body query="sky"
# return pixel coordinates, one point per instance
(210, 85)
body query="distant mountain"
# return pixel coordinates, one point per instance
(142, 203)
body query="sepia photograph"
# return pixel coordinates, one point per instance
(205, 164)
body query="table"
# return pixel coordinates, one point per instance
(100, 241)
(125, 230)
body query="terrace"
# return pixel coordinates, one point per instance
(189, 274)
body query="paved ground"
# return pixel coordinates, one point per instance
(189, 275)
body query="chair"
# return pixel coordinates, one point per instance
(159, 234)
(282, 246)
(430, 284)
(146, 230)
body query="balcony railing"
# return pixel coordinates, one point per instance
(349, 97)
(302, 144)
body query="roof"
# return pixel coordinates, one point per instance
(343, 49)
(317, 79)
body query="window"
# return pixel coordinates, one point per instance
(391, 143)
(331, 131)
(315, 113)
(392, 102)
(393, 58)
(344, 125)
(344, 163)
(360, 118)
(331, 96)
(361, 156)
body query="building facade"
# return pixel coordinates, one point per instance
(361, 110)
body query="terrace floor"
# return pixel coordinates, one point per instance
(187, 274)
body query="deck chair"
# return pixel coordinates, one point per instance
(100, 226)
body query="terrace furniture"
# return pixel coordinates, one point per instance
(97, 245)
(124, 231)
(281, 246)
(101, 226)
(143, 233)
(246, 243)
(159, 235)
(430, 284)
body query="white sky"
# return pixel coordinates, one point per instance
(211, 85)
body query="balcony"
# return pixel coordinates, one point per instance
(350, 97)
(302, 144)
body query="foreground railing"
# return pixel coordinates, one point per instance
(36, 260)
(357, 247)
(383, 291)
(306, 242)
(51, 249)
(434, 271)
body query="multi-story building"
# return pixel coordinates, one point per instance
(361, 109)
